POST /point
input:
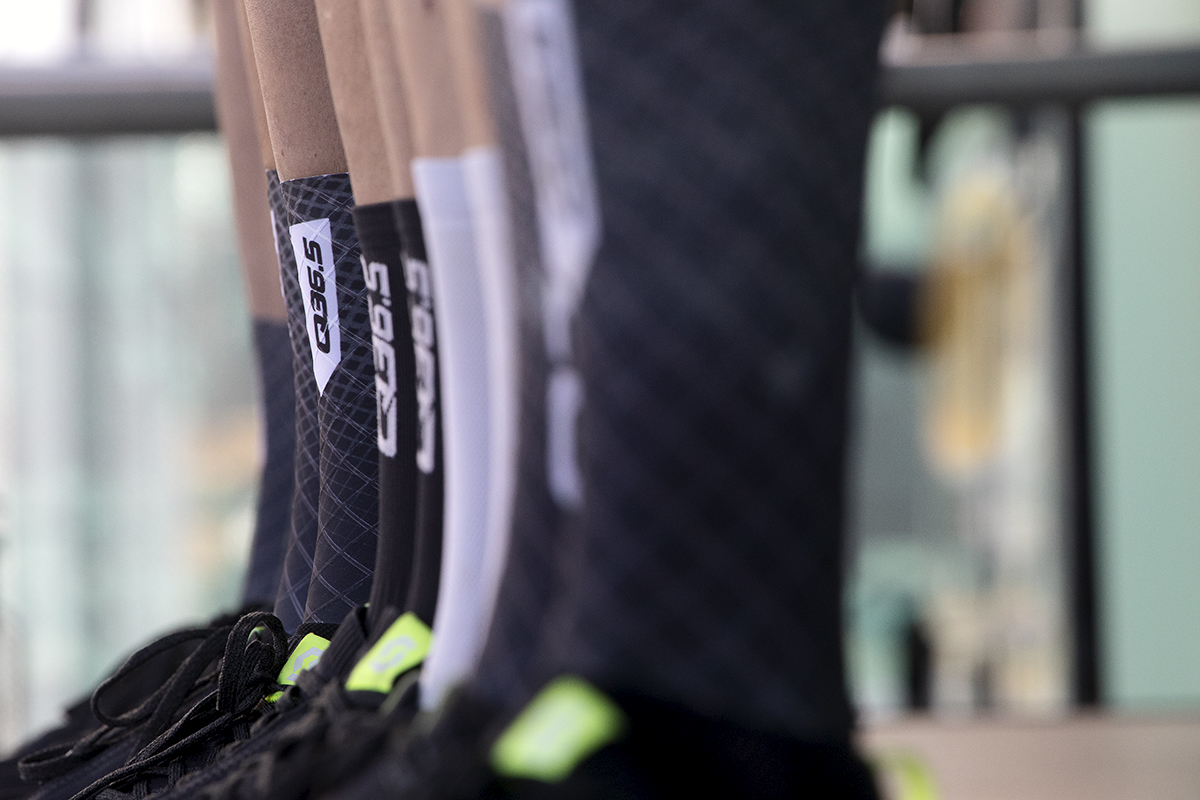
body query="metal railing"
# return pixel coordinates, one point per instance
(1070, 78)
(85, 98)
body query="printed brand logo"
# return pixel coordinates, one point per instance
(420, 308)
(303, 661)
(383, 338)
(318, 286)
(540, 37)
(401, 648)
(306, 655)
(540, 40)
(567, 722)
(564, 399)
(275, 239)
(392, 654)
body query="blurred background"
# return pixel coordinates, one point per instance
(129, 435)
(1025, 473)
(1026, 501)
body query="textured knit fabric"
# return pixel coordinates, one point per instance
(427, 557)
(395, 402)
(348, 510)
(272, 524)
(713, 341)
(504, 676)
(302, 538)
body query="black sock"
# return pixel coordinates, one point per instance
(505, 677)
(670, 751)
(396, 405)
(427, 557)
(339, 332)
(302, 538)
(714, 347)
(272, 524)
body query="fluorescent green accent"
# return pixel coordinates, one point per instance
(568, 721)
(305, 656)
(401, 648)
(908, 776)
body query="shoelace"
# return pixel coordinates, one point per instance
(149, 718)
(438, 755)
(255, 650)
(337, 736)
(298, 744)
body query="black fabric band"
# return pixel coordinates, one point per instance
(396, 405)
(427, 568)
(344, 646)
(505, 676)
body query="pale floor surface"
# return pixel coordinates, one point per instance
(1093, 757)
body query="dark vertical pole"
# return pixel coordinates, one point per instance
(1086, 655)
(1085, 668)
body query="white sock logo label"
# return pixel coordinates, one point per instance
(383, 337)
(392, 654)
(420, 307)
(318, 286)
(541, 46)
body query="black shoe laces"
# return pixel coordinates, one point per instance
(341, 733)
(252, 654)
(149, 718)
(275, 770)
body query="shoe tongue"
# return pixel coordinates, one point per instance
(402, 646)
(349, 638)
(325, 630)
(305, 654)
(325, 649)
(306, 649)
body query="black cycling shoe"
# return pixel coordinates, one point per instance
(79, 721)
(590, 745)
(128, 709)
(438, 755)
(255, 682)
(329, 744)
(126, 693)
(343, 729)
(573, 741)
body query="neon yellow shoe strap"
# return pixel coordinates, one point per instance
(568, 721)
(402, 647)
